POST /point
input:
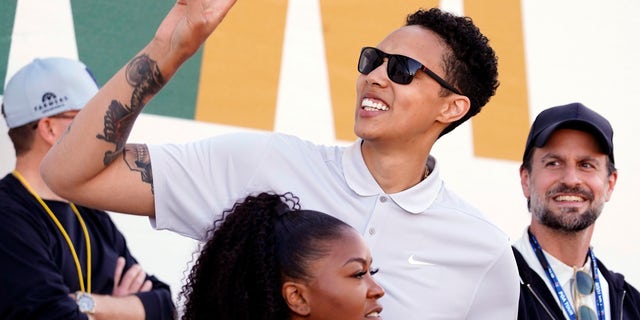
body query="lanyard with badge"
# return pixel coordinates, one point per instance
(564, 301)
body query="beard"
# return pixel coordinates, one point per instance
(568, 220)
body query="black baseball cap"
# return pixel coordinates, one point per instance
(571, 116)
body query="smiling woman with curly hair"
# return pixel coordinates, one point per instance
(267, 259)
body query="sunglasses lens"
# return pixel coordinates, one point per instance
(399, 70)
(370, 58)
(586, 313)
(584, 283)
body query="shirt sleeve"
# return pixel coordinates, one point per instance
(499, 291)
(195, 182)
(157, 302)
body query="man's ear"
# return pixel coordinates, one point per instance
(524, 182)
(455, 109)
(611, 181)
(47, 131)
(295, 295)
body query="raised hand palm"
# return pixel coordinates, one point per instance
(189, 23)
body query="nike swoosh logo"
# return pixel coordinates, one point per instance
(412, 260)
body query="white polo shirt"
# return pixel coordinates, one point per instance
(439, 258)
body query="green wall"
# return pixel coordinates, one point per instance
(108, 34)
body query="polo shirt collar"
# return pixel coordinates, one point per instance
(416, 199)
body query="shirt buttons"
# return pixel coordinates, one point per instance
(372, 231)
(383, 199)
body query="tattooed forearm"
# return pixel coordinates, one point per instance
(118, 121)
(144, 76)
(136, 156)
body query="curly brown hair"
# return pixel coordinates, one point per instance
(251, 249)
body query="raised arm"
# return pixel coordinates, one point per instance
(92, 164)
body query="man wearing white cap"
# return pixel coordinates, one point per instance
(59, 260)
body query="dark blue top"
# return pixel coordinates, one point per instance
(37, 271)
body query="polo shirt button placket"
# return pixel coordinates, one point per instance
(372, 230)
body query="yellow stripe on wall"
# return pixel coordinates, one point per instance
(500, 130)
(348, 26)
(241, 66)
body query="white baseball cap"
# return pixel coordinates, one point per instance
(46, 87)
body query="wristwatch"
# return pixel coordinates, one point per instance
(85, 302)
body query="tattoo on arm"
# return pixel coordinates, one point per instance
(136, 156)
(118, 122)
(144, 76)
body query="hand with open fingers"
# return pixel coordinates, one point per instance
(189, 24)
(133, 280)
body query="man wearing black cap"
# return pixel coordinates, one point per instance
(567, 174)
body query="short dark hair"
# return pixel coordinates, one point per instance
(471, 66)
(22, 137)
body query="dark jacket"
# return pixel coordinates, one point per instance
(37, 272)
(537, 301)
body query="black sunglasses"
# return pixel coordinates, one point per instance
(400, 69)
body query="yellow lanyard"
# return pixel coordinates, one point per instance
(64, 233)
